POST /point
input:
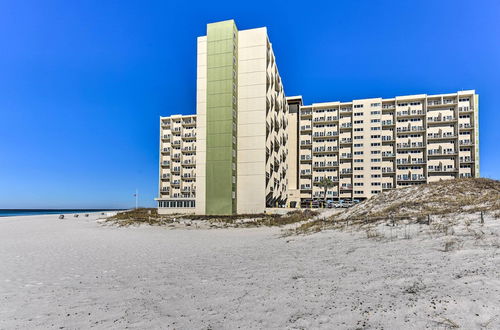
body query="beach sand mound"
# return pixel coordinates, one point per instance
(437, 198)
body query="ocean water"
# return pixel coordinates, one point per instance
(13, 212)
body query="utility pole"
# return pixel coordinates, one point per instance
(136, 197)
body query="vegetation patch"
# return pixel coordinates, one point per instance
(151, 217)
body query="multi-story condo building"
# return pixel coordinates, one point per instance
(177, 189)
(249, 147)
(370, 145)
(241, 126)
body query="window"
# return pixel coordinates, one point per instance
(376, 160)
(376, 175)
(375, 128)
(358, 192)
(358, 168)
(358, 152)
(357, 114)
(375, 120)
(358, 106)
(358, 122)
(375, 105)
(358, 184)
(375, 152)
(375, 183)
(358, 137)
(358, 129)
(358, 145)
(375, 168)
(375, 136)
(358, 160)
(375, 144)
(359, 176)
(375, 112)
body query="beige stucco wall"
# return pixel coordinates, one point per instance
(251, 121)
(201, 108)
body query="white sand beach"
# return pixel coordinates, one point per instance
(76, 273)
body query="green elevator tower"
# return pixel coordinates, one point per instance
(222, 107)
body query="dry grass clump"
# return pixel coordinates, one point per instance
(257, 220)
(137, 216)
(151, 217)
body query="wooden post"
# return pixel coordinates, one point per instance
(428, 219)
(482, 218)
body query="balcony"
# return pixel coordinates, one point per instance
(305, 187)
(465, 109)
(189, 122)
(345, 126)
(387, 170)
(409, 129)
(465, 142)
(306, 143)
(438, 152)
(388, 123)
(442, 136)
(465, 126)
(414, 161)
(306, 128)
(413, 145)
(466, 159)
(305, 158)
(410, 113)
(441, 169)
(189, 136)
(441, 120)
(188, 149)
(388, 154)
(346, 141)
(434, 103)
(414, 177)
(325, 149)
(325, 164)
(346, 171)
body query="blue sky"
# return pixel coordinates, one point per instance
(83, 83)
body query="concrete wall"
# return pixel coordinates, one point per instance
(201, 109)
(251, 151)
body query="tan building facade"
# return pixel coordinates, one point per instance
(249, 147)
(370, 145)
